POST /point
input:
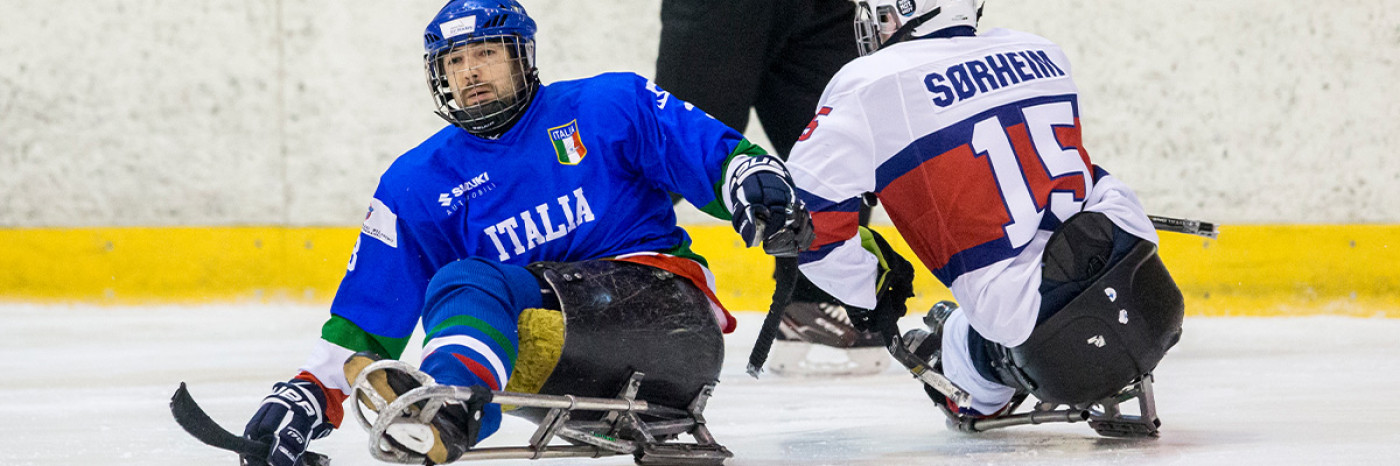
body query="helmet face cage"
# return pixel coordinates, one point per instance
(878, 22)
(867, 31)
(483, 84)
(874, 26)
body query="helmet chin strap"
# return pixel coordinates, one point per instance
(908, 28)
(526, 96)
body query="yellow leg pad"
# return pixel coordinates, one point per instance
(541, 342)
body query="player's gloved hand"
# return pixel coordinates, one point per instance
(766, 208)
(288, 419)
(894, 285)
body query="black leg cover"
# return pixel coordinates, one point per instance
(1113, 332)
(621, 317)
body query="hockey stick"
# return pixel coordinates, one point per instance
(1181, 225)
(194, 420)
(782, 296)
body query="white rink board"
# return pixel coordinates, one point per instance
(271, 112)
(90, 386)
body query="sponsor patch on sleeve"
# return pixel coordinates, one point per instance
(381, 224)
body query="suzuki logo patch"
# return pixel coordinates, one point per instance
(462, 189)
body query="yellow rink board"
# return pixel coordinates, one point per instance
(1257, 270)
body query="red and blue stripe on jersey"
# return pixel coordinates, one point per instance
(833, 222)
(944, 198)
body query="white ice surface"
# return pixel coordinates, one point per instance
(90, 385)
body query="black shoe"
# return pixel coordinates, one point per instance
(938, 314)
(452, 431)
(816, 339)
(928, 346)
(824, 324)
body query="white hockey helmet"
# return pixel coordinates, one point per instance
(880, 22)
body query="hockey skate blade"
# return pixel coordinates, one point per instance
(803, 359)
(683, 455)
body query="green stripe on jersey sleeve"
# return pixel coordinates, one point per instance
(716, 208)
(346, 334)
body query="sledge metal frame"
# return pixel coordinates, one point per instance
(1104, 416)
(621, 431)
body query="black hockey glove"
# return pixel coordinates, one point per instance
(288, 419)
(766, 208)
(894, 285)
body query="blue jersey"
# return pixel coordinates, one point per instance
(584, 174)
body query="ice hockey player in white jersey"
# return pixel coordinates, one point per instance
(971, 140)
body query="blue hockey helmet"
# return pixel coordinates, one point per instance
(480, 64)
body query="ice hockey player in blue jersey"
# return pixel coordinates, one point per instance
(536, 198)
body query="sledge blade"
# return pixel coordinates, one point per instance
(686, 455)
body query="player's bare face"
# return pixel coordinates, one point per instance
(482, 72)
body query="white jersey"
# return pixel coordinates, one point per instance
(973, 146)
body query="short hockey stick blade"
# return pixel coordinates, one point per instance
(194, 420)
(1187, 226)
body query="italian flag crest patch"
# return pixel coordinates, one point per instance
(568, 144)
